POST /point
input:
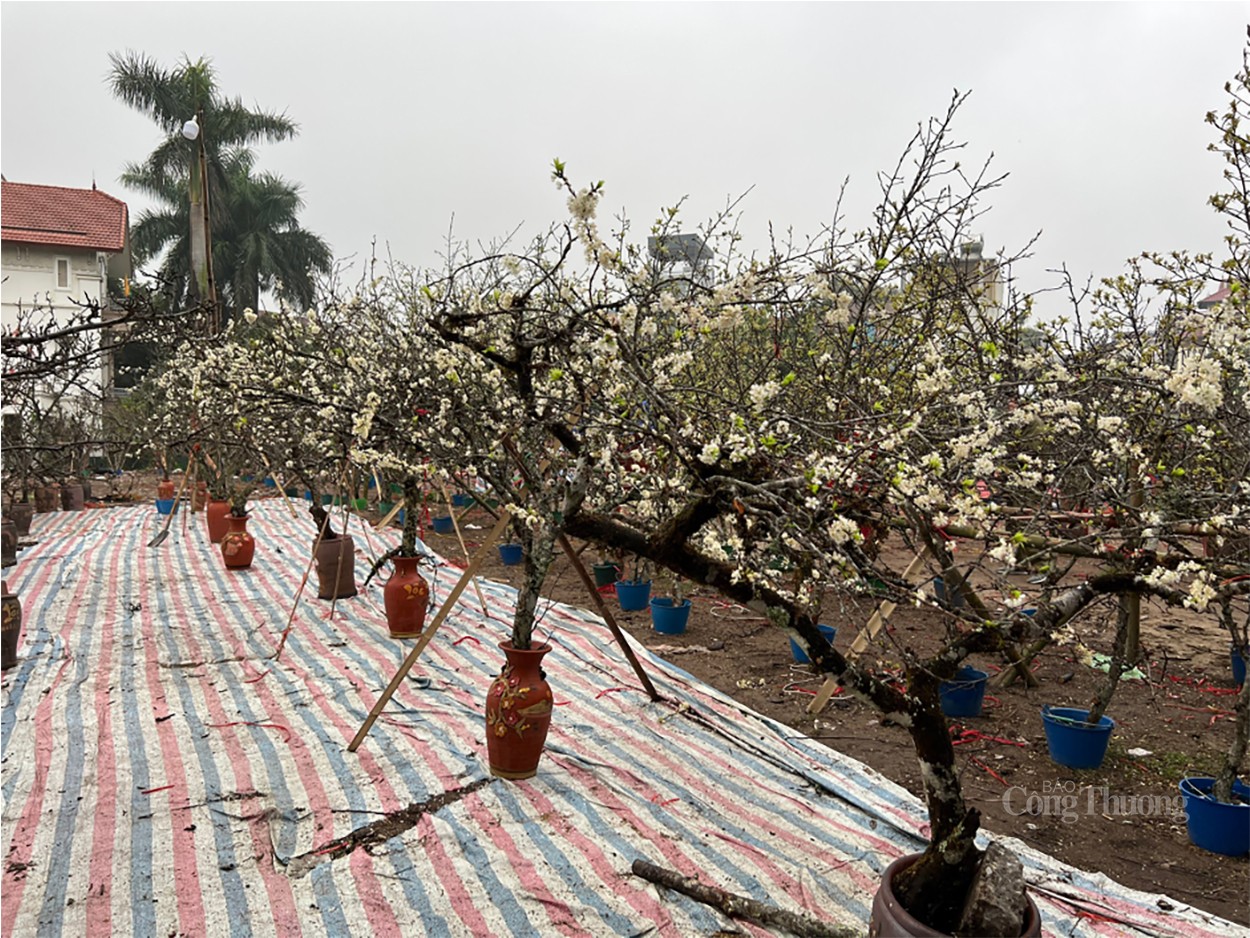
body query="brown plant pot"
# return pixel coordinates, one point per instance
(518, 713)
(47, 498)
(237, 546)
(21, 514)
(336, 567)
(405, 597)
(890, 920)
(71, 496)
(215, 517)
(8, 543)
(166, 489)
(10, 628)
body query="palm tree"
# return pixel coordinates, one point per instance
(258, 243)
(284, 255)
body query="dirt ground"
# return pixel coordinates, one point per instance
(1123, 819)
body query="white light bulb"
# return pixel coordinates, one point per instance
(191, 129)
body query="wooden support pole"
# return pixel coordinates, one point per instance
(465, 578)
(867, 634)
(603, 610)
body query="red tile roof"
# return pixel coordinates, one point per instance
(77, 218)
(1219, 296)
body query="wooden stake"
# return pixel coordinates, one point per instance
(465, 578)
(883, 611)
(601, 606)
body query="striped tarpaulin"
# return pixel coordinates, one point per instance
(163, 774)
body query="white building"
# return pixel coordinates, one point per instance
(59, 248)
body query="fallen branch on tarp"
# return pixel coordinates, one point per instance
(736, 906)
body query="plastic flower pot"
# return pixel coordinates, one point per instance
(963, 696)
(939, 590)
(1073, 741)
(606, 573)
(830, 632)
(1239, 663)
(164, 505)
(669, 618)
(331, 500)
(1215, 825)
(291, 492)
(360, 504)
(442, 525)
(460, 500)
(269, 482)
(307, 495)
(511, 554)
(633, 594)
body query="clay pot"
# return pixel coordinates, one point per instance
(890, 920)
(199, 496)
(48, 497)
(8, 543)
(71, 496)
(336, 567)
(518, 713)
(166, 489)
(10, 627)
(237, 546)
(21, 514)
(215, 515)
(405, 597)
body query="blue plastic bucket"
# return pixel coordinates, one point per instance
(963, 696)
(269, 482)
(1239, 664)
(460, 500)
(1214, 825)
(442, 525)
(668, 618)
(164, 505)
(633, 594)
(1074, 742)
(511, 554)
(828, 631)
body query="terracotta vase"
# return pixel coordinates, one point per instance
(405, 597)
(71, 496)
(48, 497)
(215, 515)
(336, 567)
(10, 627)
(21, 514)
(8, 543)
(166, 489)
(199, 496)
(890, 920)
(237, 546)
(518, 713)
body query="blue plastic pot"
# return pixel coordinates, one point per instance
(1074, 742)
(1239, 664)
(963, 696)
(510, 554)
(442, 525)
(606, 573)
(269, 482)
(828, 631)
(939, 590)
(460, 500)
(668, 618)
(164, 505)
(1214, 825)
(633, 594)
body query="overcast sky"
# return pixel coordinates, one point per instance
(411, 113)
